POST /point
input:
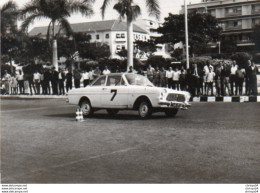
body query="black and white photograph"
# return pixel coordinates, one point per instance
(128, 92)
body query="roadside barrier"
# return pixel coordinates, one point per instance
(226, 99)
(79, 115)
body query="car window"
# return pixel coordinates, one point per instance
(114, 80)
(100, 82)
(134, 79)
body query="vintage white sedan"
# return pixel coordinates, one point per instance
(124, 91)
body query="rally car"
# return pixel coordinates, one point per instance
(124, 91)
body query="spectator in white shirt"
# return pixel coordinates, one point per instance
(106, 71)
(175, 78)
(20, 80)
(36, 80)
(169, 77)
(233, 77)
(209, 80)
(90, 73)
(85, 77)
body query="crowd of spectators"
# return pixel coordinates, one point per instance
(223, 79)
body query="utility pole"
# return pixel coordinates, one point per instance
(186, 35)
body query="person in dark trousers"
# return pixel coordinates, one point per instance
(162, 77)
(218, 80)
(225, 75)
(233, 70)
(31, 84)
(77, 77)
(247, 77)
(61, 78)
(197, 76)
(54, 81)
(253, 70)
(20, 79)
(182, 78)
(240, 76)
(68, 78)
(156, 76)
(46, 82)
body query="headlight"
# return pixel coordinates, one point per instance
(163, 92)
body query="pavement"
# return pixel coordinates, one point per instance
(209, 143)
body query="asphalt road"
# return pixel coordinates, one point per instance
(210, 143)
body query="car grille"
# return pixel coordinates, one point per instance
(176, 97)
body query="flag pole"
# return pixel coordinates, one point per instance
(186, 35)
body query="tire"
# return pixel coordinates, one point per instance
(112, 112)
(86, 108)
(145, 109)
(171, 112)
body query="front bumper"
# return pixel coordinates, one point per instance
(174, 104)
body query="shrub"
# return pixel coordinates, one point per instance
(241, 59)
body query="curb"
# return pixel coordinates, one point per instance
(226, 99)
(32, 97)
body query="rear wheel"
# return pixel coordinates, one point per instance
(86, 108)
(171, 112)
(112, 112)
(145, 109)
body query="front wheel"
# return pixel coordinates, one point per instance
(145, 110)
(86, 108)
(171, 112)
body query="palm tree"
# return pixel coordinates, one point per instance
(8, 18)
(127, 8)
(57, 11)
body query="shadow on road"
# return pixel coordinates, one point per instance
(109, 117)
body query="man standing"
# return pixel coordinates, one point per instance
(36, 80)
(85, 77)
(150, 71)
(240, 76)
(196, 78)
(176, 78)
(61, 79)
(162, 77)
(225, 74)
(169, 77)
(253, 70)
(233, 71)
(218, 80)
(209, 80)
(106, 71)
(68, 80)
(97, 72)
(46, 81)
(54, 81)
(77, 77)
(20, 79)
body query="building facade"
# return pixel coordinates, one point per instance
(237, 18)
(111, 32)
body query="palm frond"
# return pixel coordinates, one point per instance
(83, 7)
(153, 8)
(28, 9)
(104, 7)
(65, 27)
(9, 6)
(30, 20)
(135, 11)
(119, 7)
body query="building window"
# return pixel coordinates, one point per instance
(122, 35)
(123, 47)
(107, 36)
(118, 35)
(97, 37)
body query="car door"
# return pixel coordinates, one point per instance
(95, 92)
(115, 92)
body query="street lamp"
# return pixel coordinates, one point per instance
(186, 35)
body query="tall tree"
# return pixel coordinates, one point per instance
(127, 8)
(8, 17)
(58, 12)
(203, 28)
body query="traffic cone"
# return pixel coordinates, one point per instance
(81, 115)
(78, 117)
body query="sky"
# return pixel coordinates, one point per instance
(166, 6)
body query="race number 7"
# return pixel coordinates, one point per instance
(114, 95)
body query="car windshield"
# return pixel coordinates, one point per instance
(135, 79)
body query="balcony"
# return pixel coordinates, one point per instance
(255, 11)
(229, 28)
(233, 14)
